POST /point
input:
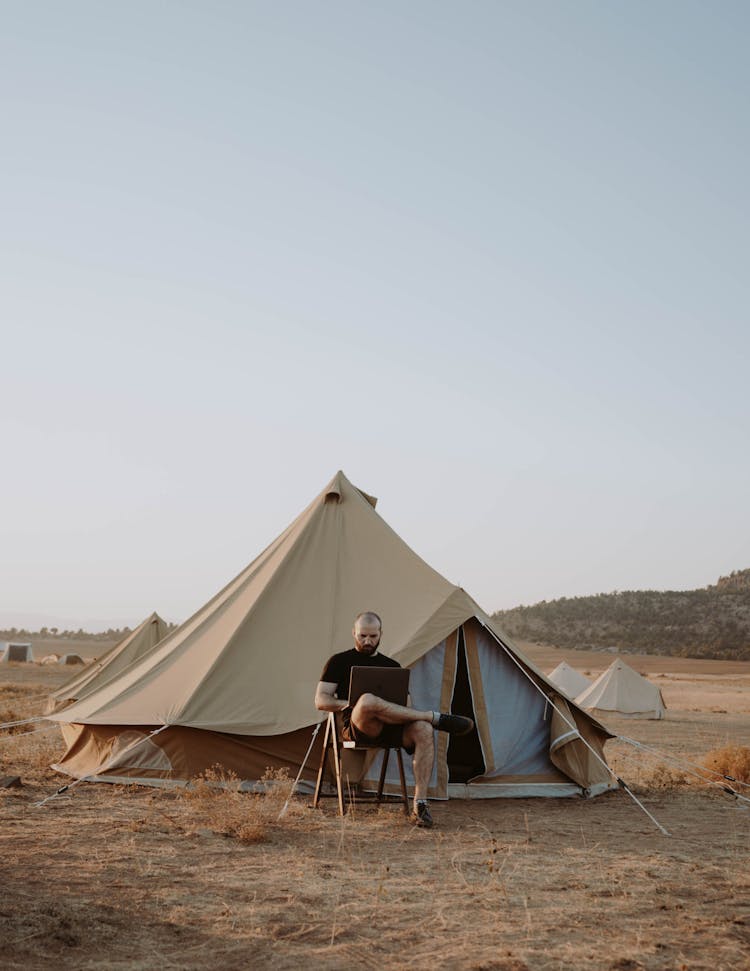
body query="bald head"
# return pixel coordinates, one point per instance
(369, 617)
(366, 632)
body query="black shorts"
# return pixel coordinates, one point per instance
(392, 735)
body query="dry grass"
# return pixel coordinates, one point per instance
(731, 760)
(215, 802)
(118, 878)
(648, 772)
(18, 702)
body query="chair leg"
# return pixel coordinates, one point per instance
(337, 765)
(404, 795)
(323, 764)
(383, 770)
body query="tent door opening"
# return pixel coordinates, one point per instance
(465, 759)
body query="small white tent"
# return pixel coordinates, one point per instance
(569, 680)
(15, 651)
(622, 691)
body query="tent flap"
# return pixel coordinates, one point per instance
(577, 745)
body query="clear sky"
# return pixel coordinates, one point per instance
(488, 258)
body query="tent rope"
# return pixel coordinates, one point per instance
(638, 802)
(22, 721)
(683, 765)
(620, 782)
(633, 757)
(301, 768)
(34, 731)
(100, 768)
(678, 760)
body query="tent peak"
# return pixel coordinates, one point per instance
(336, 490)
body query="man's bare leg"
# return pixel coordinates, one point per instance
(371, 714)
(420, 735)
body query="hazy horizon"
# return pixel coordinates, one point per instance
(34, 621)
(491, 261)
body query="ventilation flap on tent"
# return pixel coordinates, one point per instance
(568, 750)
(335, 491)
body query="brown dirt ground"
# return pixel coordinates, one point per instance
(111, 877)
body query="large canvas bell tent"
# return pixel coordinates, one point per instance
(132, 647)
(234, 684)
(622, 691)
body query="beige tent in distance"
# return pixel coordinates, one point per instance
(234, 684)
(112, 663)
(622, 691)
(568, 680)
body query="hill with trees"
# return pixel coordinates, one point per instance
(712, 622)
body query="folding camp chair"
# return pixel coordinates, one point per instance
(335, 745)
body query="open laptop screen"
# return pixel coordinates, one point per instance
(390, 684)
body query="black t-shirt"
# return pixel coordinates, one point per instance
(338, 668)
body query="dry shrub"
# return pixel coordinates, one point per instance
(217, 803)
(732, 760)
(663, 776)
(643, 773)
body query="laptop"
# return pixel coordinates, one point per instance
(390, 684)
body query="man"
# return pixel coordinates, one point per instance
(374, 720)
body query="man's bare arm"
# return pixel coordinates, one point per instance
(325, 697)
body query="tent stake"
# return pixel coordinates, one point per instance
(637, 801)
(301, 769)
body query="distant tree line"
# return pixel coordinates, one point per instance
(713, 622)
(113, 634)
